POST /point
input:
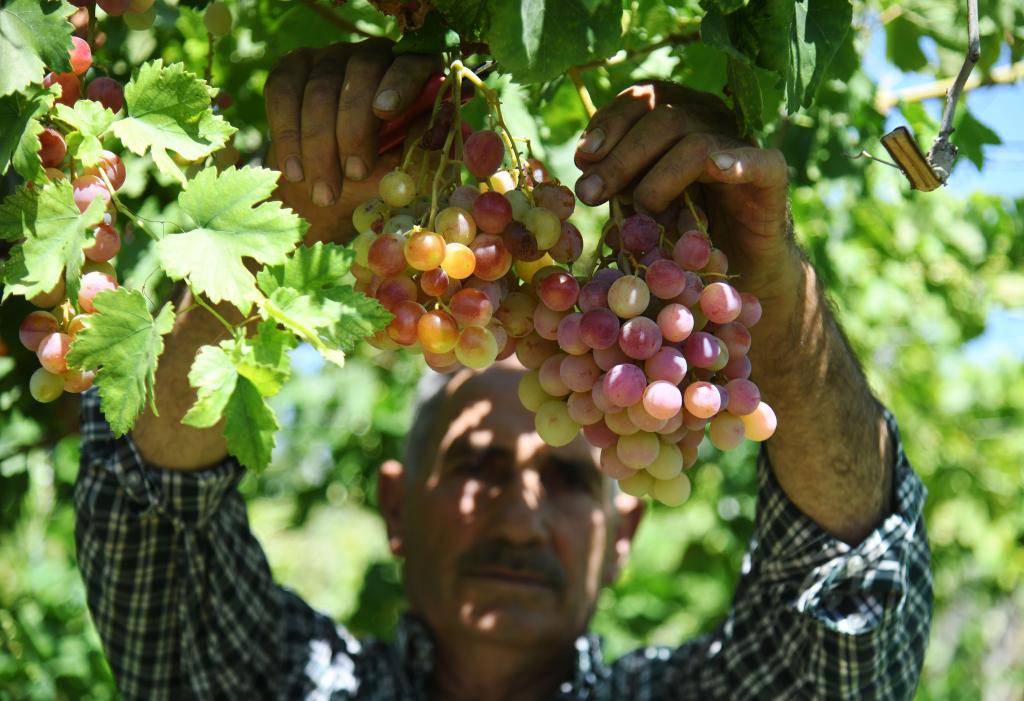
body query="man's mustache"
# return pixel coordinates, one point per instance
(501, 554)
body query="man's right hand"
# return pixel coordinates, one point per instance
(324, 107)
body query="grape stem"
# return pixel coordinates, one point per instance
(224, 322)
(693, 211)
(494, 103)
(581, 91)
(443, 161)
(132, 216)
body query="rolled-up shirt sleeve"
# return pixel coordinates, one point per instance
(178, 587)
(814, 617)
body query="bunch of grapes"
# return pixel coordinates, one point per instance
(138, 14)
(49, 333)
(647, 355)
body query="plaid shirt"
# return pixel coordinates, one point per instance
(184, 601)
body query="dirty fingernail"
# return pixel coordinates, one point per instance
(723, 160)
(293, 170)
(589, 188)
(323, 195)
(386, 100)
(592, 140)
(355, 169)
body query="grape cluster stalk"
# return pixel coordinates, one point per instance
(646, 355)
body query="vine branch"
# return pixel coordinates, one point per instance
(885, 100)
(623, 56)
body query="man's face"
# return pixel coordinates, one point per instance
(504, 536)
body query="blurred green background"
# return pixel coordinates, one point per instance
(929, 288)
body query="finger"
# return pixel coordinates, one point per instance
(650, 137)
(282, 95)
(319, 145)
(356, 125)
(403, 83)
(609, 124)
(762, 167)
(684, 164)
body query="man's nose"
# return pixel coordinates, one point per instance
(521, 508)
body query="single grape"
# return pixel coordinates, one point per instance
(726, 431)
(600, 400)
(718, 263)
(735, 336)
(531, 394)
(665, 279)
(471, 307)
(668, 464)
(551, 376)
(112, 167)
(720, 302)
(105, 244)
(692, 251)
(463, 197)
(642, 419)
(395, 289)
(52, 298)
(607, 358)
(493, 260)
(52, 147)
(640, 338)
(628, 296)
(600, 436)
(673, 425)
(568, 335)
(396, 188)
(77, 381)
(386, 255)
(503, 182)
(532, 350)
(569, 246)
(611, 465)
(483, 153)
(139, 5)
(106, 91)
(35, 327)
(639, 233)
(527, 270)
(456, 225)
(744, 397)
(671, 492)
(477, 348)
(518, 200)
(701, 349)
(722, 359)
(620, 423)
(45, 386)
(555, 198)
(607, 275)
(559, 291)
(662, 400)
(399, 224)
(140, 21)
(691, 293)
(593, 295)
(536, 171)
(53, 175)
(459, 261)
(582, 409)
(92, 284)
(546, 321)
(675, 322)
(624, 384)
(403, 328)
(80, 55)
(437, 331)
(442, 362)
(516, 314)
(599, 327)
(425, 250)
(737, 368)
(579, 372)
(87, 188)
(434, 283)
(702, 400)
(760, 424)
(52, 351)
(554, 425)
(218, 19)
(115, 8)
(653, 256)
(751, 312)
(521, 243)
(545, 225)
(668, 364)
(71, 88)
(638, 484)
(369, 216)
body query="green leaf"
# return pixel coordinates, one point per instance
(231, 382)
(818, 30)
(169, 109)
(19, 139)
(746, 91)
(971, 135)
(228, 225)
(54, 232)
(431, 38)
(34, 35)
(903, 45)
(467, 17)
(123, 341)
(538, 40)
(89, 120)
(315, 267)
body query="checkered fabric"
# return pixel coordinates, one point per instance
(183, 599)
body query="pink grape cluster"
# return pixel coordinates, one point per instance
(453, 286)
(645, 358)
(49, 333)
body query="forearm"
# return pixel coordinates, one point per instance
(832, 451)
(163, 440)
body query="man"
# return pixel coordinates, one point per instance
(507, 541)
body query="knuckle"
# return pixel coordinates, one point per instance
(286, 135)
(322, 89)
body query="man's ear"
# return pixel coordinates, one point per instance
(391, 497)
(628, 510)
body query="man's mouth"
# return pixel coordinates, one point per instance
(511, 576)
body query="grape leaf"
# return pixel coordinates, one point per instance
(816, 34)
(123, 341)
(228, 225)
(468, 17)
(54, 232)
(431, 38)
(971, 135)
(34, 35)
(315, 267)
(168, 108)
(746, 92)
(19, 140)
(538, 40)
(89, 120)
(232, 380)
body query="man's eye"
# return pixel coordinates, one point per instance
(559, 477)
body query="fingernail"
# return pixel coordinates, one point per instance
(589, 188)
(386, 100)
(723, 160)
(592, 140)
(293, 170)
(355, 169)
(323, 195)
